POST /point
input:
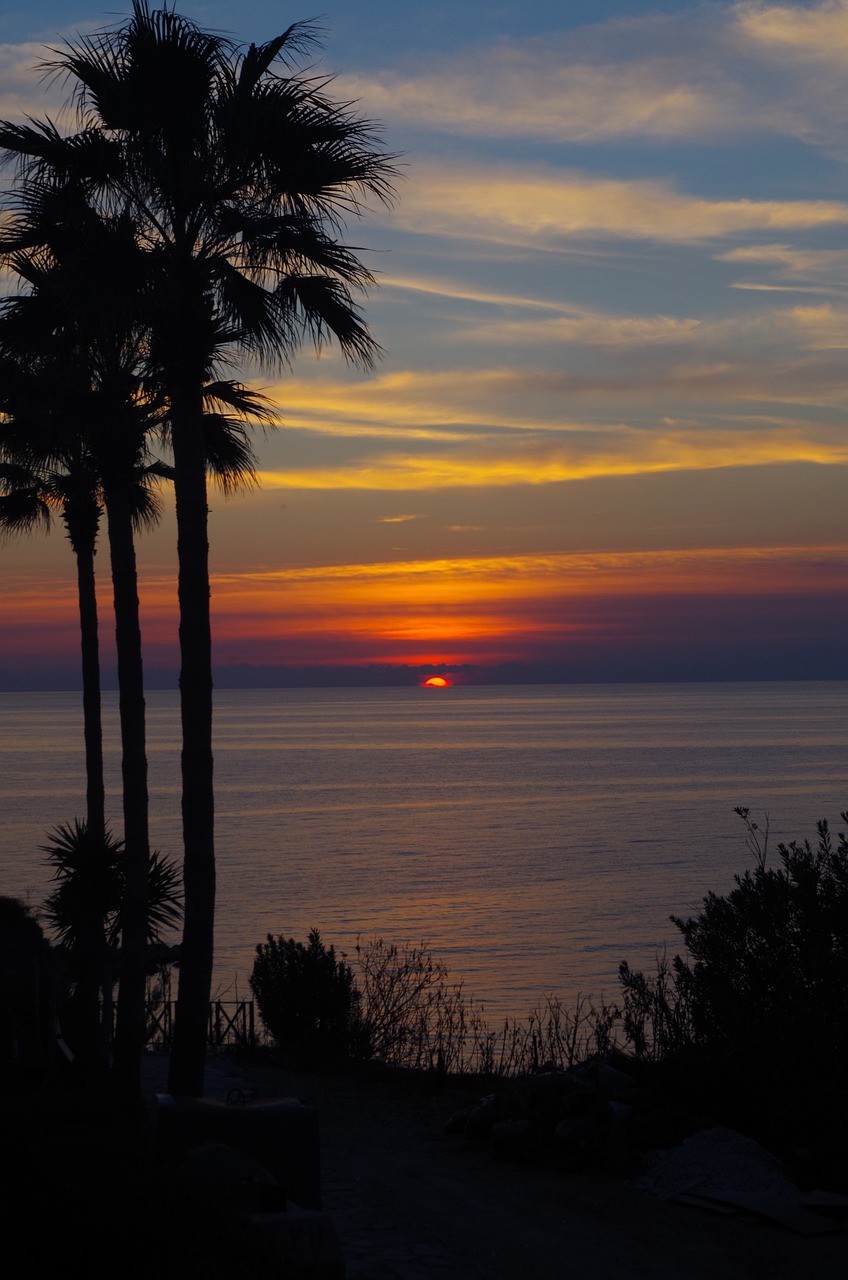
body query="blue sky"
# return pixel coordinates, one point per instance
(613, 308)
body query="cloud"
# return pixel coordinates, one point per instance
(414, 405)
(592, 330)
(449, 288)
(703, 370)
(476, 578)
(559, 322)
(25, 90)
(709, 72)
(653, 77)
(823, 270)
(780, 331)
(545, 208)
(611, 451)
(531, 91)
(818, 32)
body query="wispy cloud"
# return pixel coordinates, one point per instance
(544, 207)
(801, 268)
(610, 452)
(473, 579)
(25, 88)
(644, 76)
(534, 91)
(816, 32)
(708, 73)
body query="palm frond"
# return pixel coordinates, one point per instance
(257, 61)
(22, 510)
(164, 895)
(250, 405)
(322, 308)
(230, 460)
(89, 880)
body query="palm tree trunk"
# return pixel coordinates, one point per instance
(95, 792)
(94, 1023)
(198, 806)
(131, 1025)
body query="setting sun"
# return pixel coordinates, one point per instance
(436, 682)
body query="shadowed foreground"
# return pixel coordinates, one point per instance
(411, 1203)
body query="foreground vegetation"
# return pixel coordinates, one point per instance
(746, 1028)
(195, 216)
(749, 1027)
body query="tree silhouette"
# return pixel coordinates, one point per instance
(238, 171)
(29, 497)
(82, 268)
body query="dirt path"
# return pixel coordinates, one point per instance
(411, 1203)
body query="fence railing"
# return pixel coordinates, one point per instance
(231, 1024)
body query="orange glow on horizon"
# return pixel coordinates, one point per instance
(436, 682)
(443, 612)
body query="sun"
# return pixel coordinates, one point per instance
(436, 682)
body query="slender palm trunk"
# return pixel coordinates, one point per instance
(131, 1026)
(196, 953)
(93, 1023)
(95, 792)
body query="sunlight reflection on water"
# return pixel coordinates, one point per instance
(534, 836)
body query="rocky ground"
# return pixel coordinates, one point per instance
(412, 1203)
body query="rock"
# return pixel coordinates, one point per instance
(575, 1132)
(483, 1116)
(716, 1159)
(547, 1099)
(514, 1139)
(614, 1083)
(458, 1123)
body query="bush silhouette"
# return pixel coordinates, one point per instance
(753, 1023)
(768, 975)
(306, 996)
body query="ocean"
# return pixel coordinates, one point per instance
(533, 836)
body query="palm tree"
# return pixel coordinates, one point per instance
(238, 172)
(62, 249)
(28, 500)
(85, 395)
(29, 496)
(90, 896)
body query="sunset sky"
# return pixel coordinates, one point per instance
(608, 433)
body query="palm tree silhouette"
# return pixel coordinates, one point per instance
(79, 431)
(81, 267)
(30, 495)
(69, 459)
(238, 172)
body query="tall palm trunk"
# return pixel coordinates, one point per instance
(196, 953)
(81, 516)
(131, 1026)
(95, 792)
(238, 173)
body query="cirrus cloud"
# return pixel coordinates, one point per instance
(543, 208)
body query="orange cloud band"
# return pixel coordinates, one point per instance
(474, 609)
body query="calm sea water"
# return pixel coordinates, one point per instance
(534, 836)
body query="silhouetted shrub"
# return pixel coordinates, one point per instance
(752, 1024)
(768, 974)
(28, 990)
(656, 1017)
(553, 1037)
(414, 1014)
(307, 997)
